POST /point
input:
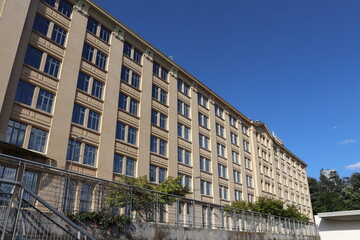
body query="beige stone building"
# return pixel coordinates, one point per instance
(77, 84)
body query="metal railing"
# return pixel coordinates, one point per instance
(68, 191)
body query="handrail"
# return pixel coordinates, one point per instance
(144, 189)
(42, 201)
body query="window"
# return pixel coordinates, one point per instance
(222, 171)
(83, 82)
(249, 181)
(78, 115)
(45, 101)
(131, 52)
(130, 167)
(50, 2)
(97, 89)
(135, 80)
(158, 146)
(33, 57)
(238, 195)
(250, 198)
(205, 187)
(183, 131)
(237, 176)
(183, 87)
(245, 130)
(164, 74)
(235, 157)
(220, 150)
(73, 151)
(205, 164)
(85, 198)
(92, 25)
(105, 34)
(158, 119)
(246, 146)
(203, 120)
(59, 35)
(89, 52)
(125, 77)
(159, 94)
(15, 133)
(128, 104)
(118, 163)
(223, 192)
(126, 133)
(204, 141)
(89, 155)
(184, 156)
(156, 68)
(125, 74)
(247, 163)
(157, 171)
(234, 138)
(24, 93)
(41, 25)
(52, 66)
(232, 121)
(219, 130)
(185, 180)
(202, 100)
(101, 60)
(37, 139)
(93, 120)
(65, 7)
(137, 56)
(218, 111)
(183, 109)
(127, 49)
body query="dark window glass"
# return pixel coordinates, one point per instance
(125, 73)
(52, 66)
(162, 175)
(50, 2)
(15, 133)
(120, 131)
(135, 80)
(89, 155)
(88, 52)
(132, 135)
(93, 121)
(59, 35)
(78, 114)
(123, 101)
(92, 25)
(65, 7)
(130, 167)
(153, 144)
(37, 139)
(162, 150)
(156, 68)
(45, 101)
(97, 89)
(83, 82)
(24, 93)
(104, 34)
(134, 107)
(73, 150)
(127, 49)
(118, 163)
(154, 116)
(33, 57)
(164, 74)
(152, 174)
(137, 56)
(155, 92)
(163, 119)
(41, 24)
(101, 60)
(85, 197)
(163, 96)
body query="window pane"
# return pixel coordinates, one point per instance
(97, 89)
(50, 2)
(52, 66)
(132, 135)
(162, 175)
(101, 60)
(71, 154)
(45, 101)
(153, 144)
(59, 35)
(134, 107)
(125, 73)
(123, 101)
(152, 174)
(37, 139)
(104, 34)
(41, 24)
(137, 56)
(83, 82)
(88, 52)
(33, 57)
(92, 25)
(156, 68)
(89, 155)
(15, 133)
(93, 121)
(85, 198)
(154, 116)
(127, 49)
(163, 120)
(78, 114)
(135, 80)
(118, 163)
(24, 93)
(130, 167)
(120, 131)
(65, 7)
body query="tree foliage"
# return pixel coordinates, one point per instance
(334, 193)
(271, 206)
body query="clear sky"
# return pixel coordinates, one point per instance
(293, 64)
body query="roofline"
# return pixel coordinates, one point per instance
(339, 214)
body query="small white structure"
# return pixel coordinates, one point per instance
(339, 225)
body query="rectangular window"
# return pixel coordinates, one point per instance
(218, 111)
(246, 146)
(45, 101)
(15, 133)
(155, 92)
(135, 80)
(97, 89)
(101, 60)
(89, 155)
(92, 25)
(202, 100)
(183, 131)
(222, 171)
(152, 173)
(130, 167)
(162, 175)
(73, 150)
(220, 149)
(153, 144)
(237, 176)
(204, 141)
(59, 35)
(127, 49)
(154, 117)
(235, 157)
(156, 68)
(65, 7)
(232, 121)
(125, 74)
(118, 163)
(105, 34)
(183, 87)
(88, 52)
(203, 120)
(120, 131)
(52, 66)
(247, 163)
(37, 139)
(134, 107)
(223, 192)
(93, 120)
(163, 96)
(234, 138)
(163, 120)
(33, 57)
(123, 101)
(219, 130)
(183, 109)
(249, 181)
(163, 146)
(78, 115)
(164, 74)
(205, 164)
(132, 135)
(85, 198)
(83, 82)
(137, 56)
(238, 195)
(185, 180)
(24, 93)
(184, 156)
(205, 187)
(41, 24)
(245, 130)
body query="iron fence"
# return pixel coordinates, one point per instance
(68, 191)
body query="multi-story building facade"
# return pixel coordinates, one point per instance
(81, 91)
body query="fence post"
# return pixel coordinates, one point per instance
(17, 214)
(242, 220)
(209, 215)
(193, 213)
(234, 219)
(155, 207)
(222, 218)
(177, 212)
(130, 203)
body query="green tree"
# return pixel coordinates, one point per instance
(328, 202)
(355, 181)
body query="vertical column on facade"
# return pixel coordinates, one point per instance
(110, 110)
(195, 141)
(214, 160)
(15, 32)
(58, 139)
(255, 161)
(145, 115)
(173, 117)
(242, 161)
(229, 156)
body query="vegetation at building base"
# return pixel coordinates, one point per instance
(271, 206)
(334, 193)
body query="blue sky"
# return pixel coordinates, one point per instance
(291, 64)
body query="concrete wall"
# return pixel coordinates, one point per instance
(335, 230)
